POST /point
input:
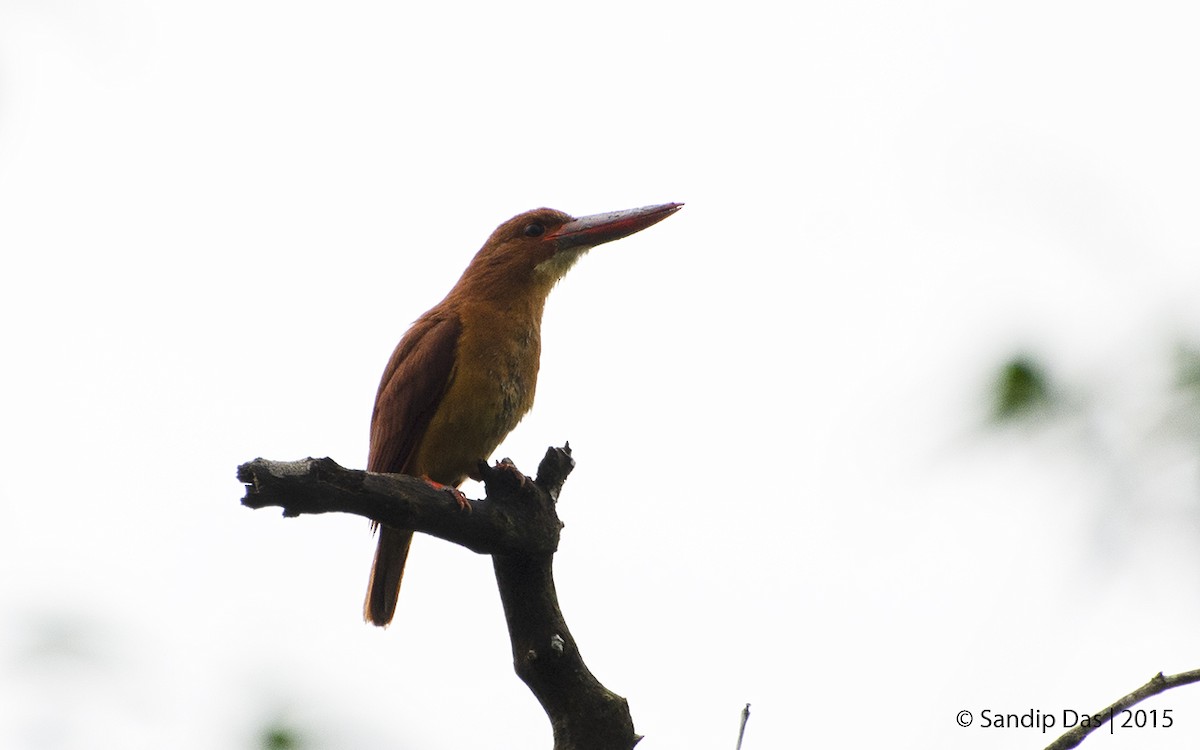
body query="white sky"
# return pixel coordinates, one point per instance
(217, 219)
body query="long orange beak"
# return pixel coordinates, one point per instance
(589, 231)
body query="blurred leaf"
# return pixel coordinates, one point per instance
(280, 738)
(1021, 390)
(1185, 411)
(1187, 369)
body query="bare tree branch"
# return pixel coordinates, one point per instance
(1157, 684)
(320, 485)
(518, 526)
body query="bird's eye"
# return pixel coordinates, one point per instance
(535, 230)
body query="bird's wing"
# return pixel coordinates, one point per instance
(416, 379)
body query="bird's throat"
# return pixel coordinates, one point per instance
(551, 270)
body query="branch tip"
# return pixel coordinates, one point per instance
(552, 472)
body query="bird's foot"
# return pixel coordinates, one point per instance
(459, 497)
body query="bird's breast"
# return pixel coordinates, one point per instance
(491, 389)
(503, 377)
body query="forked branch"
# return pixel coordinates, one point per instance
(517, 525)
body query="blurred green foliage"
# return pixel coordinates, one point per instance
(1021, 390)
(277, 737)
(1187, 363)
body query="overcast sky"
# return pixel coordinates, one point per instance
(217, 219)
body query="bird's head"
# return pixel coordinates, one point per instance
(532, 251)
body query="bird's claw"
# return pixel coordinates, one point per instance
(506, 464)
(459, 497)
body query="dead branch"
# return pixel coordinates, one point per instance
(516, 523)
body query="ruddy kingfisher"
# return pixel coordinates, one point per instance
(464, 374)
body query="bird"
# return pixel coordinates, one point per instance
(464, 373)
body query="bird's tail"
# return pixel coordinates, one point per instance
(386, 572)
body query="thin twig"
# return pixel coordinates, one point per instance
(1157, 684)
(742, 730)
